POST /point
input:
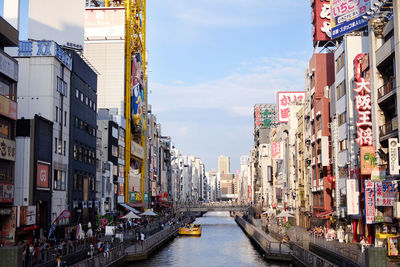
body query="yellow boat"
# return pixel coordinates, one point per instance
(190, 229)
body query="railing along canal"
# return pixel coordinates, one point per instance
(308, 258)
(104, 259)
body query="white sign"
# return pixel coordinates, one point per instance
(352, 197)
(137, 150)
(393, 156)
(284, 100)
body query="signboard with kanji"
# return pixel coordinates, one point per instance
(284, 100)
(385, 192)
(277, 150)
(321, 20)
(264, 116)
(368, 160)
(369, 202)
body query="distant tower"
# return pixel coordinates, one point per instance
(223, 165)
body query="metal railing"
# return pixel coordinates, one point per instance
(388, 127)
(106, 258)
(386, 88)
(308, 258)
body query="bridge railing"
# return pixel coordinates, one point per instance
(308, 258)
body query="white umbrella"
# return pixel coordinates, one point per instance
(148, 213)
(269, 211)
(284, 214)
(131, 215)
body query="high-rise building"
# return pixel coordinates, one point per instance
(224, 164)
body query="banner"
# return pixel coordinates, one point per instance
(277, 150)
(369, 202)
(352, 196)
(385, 193)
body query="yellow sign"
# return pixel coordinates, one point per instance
(138, 196)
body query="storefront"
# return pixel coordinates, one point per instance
(387, 236)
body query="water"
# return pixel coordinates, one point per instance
(222, 243)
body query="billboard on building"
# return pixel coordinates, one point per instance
(105, 22)
(368, 160)
(6, 193)
(385, 192)
(369, 202)
(321, 20)
(277, 150)
(352, 196)
(346, 16)
(43, 176)
(264, 116)
(284, 100)
(393, 156)
(58, 20)
(8, 226)
(27, 216)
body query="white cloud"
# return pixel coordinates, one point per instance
(236, 93)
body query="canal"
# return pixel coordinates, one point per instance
(222, 243)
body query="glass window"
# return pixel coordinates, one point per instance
(76, 93)
(342, 118)
(114, 151)
(94, 106)
(340, 90)
(55, 144)
(75, 152)
(114, 132)
(87, 101)
(5, 88)
(65, 147)
(121, 170)
(56, 114)
(82, 97)
(76, 122)
(115, 170)
(5, 128)
(60, 147)
(90, 103)
(65, 118)
(121, 152)
(6, 172)
(340, 62)
(59, 180)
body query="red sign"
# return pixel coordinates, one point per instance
(63, 215)
(42, 177)
(321, 20)
(363, 104)
(369, 202)
(6, 193)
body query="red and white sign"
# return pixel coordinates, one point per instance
(363, 104)
(277, 150)
(6, 193)
(65, 214)
(385, 193)
(321, 20)
(369, 202)
(284, 100)
(352, 197)
(42, 177)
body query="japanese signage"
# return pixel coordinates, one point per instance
(8, 107)
(132, 196)
(121, 189)
(378, 173)
(65, 214)
(284, 100)
(137, 84)
(7, 149)
(137, 150)
(8, 66)
(368, 159)
(146, 197)
(369, 202)
(346, 16)
(321, 20)
(385, 193)
(43, 175)
(264, 115)
(277, 150)
(393, 156)
(44, 49)
(27, 215)
(6, 193)
(8, 226)
(352, 196)
(138, 196)
(363, 104)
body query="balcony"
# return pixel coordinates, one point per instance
(386, 90)
(384, 51)
(388, 130)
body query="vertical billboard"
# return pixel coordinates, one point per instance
(105, 22)
(369, 202)
(137, 101)
(264, 116)
(346, 16)
(277, 150)
(352, 196)
(393, 156)
(321, 20)
(284, 100)
(368, 160)
(58, 20)
(43, 176)
(386, 193)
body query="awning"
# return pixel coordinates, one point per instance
(129, 208)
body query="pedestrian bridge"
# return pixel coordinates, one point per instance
(214, 207)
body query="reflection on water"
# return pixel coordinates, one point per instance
(222, 243)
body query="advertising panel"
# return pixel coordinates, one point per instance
(109, 22)
(8, 107)
(352, 195)
(8, 66)
(58, 20)
(264, 116)
(43, 176)
(7, 149)
(346, 16)
(369, 202)
(137, 84)
(284, 100)
(368, 160)
(27, 215)
(8, 226)
(132, 196)
(321, 20)
(393, 156)
(6, 193)
(277, 150)
(385, 192)
(137, 150)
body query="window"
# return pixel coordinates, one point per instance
(90, 103)
(114, 132)
(75, 152)
(342, 118)
(7, 89)
(80, 182)
(321, 199)
(76, 93)
(60, 147)
(55, 144)
(6, 172)
(121, 170)
(340, 62)
(76, 181)
(65, 118)
(340, 90)
(115, 170)
(56, 114)
(87, 101)
(121, 152)
(94, 106)
(5, 128)
(114, 151)
(65, 147)
(81, 97)
(59, 180)
(342, 145)
(76, 122)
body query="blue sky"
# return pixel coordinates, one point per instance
(212, 60)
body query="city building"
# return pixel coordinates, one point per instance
(224, 165)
